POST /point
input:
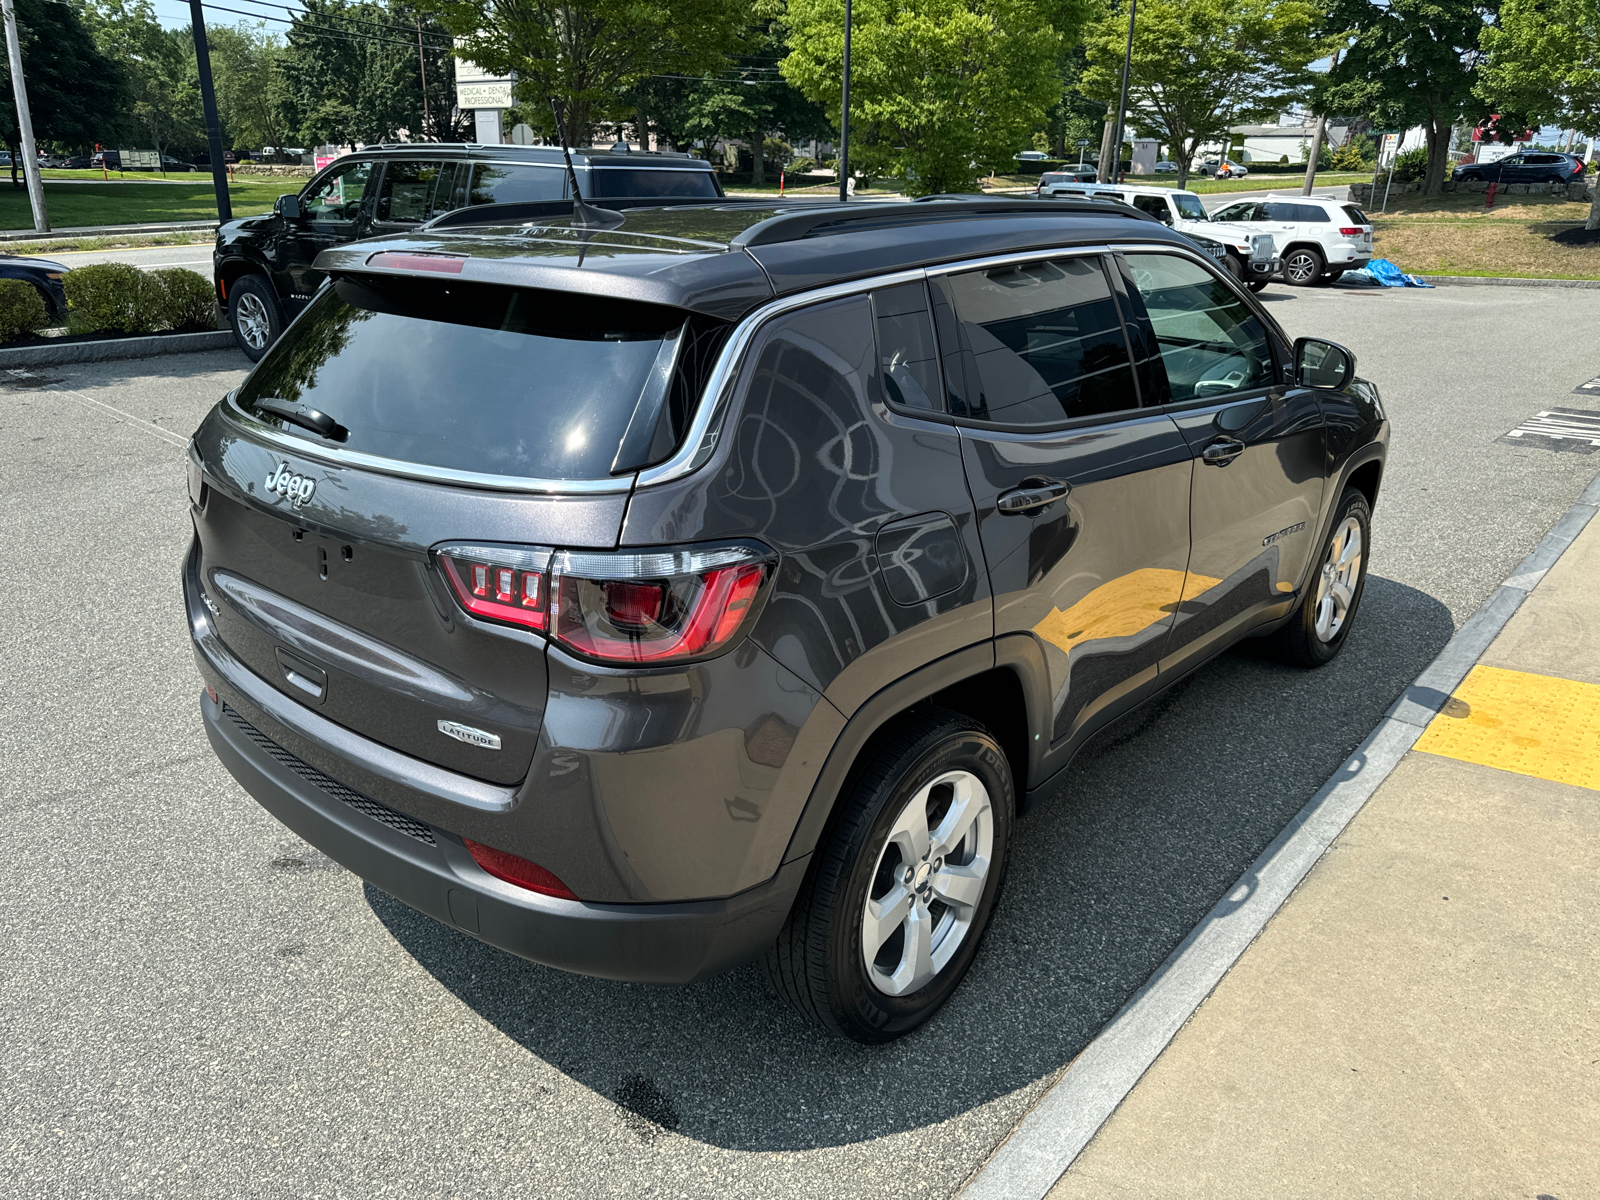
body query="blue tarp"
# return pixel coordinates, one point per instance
(1385, 274)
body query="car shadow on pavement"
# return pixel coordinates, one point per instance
(1160, 816)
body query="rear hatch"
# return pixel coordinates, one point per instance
(397, 414)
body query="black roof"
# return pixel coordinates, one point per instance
(724, 258)
(538, 154)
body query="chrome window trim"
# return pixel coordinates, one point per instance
(701, 439)
(334, 456)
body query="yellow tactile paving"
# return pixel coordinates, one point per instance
(1515, 721)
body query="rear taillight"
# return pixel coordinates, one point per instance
(1352, 231)
(517, 870)
(639, 608)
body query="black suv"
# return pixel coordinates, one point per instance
(264, 268)
(1530, 166)
(644, 598)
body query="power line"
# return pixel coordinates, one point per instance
(305, 16)
(321, 30)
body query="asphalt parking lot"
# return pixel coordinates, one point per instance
(194, 1002)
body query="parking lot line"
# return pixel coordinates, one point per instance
(166, 435)
(1538, 725)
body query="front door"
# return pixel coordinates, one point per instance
(1082, 496)
(1258, 445)
(331, 214)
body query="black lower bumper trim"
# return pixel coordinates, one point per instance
(643, 943)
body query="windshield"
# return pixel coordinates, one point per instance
(1189, 206)
(474, 377)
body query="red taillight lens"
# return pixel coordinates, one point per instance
(622, 608)
(503, 583)
(517, 870)
(655, 607)
(1352, 231)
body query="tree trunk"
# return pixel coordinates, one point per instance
(757, 165)
(1594, 210)
(1438, 155)
(1105, 148)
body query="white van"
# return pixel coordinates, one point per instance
(1252, 255)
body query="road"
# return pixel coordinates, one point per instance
(196, 258)
(197, 1003)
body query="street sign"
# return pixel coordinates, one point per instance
(522, 135)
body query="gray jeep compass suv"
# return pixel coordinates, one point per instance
(718, 581)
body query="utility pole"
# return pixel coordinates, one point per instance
(844, 114)
(208, 101)
(1122, 101)
(30, 156)
(1316, 142)
(422, 69)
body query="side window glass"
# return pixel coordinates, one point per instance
(1282, 212)
(1211, 344)
(1156, 206)
(906, 351)
(1312, 215)
(338, 197)
(444, 188)
(1045, 340)
(515, 183)
(406, 190)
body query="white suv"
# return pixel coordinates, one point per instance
(1251, 254)
(1319, 238)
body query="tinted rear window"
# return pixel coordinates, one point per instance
(1356, 215)
(514, 184)
(653, 181)
(473, 377)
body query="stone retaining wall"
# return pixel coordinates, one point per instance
(1363, 193)
(288, 170)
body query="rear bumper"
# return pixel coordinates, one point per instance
(429, 869)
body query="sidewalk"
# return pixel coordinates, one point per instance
(1421, 1018)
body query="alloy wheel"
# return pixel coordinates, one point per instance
(928, 883)
(1301, 267)
(1336, 587)
(251, 318)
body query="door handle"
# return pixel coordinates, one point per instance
(1034, 493)
(1222, 452)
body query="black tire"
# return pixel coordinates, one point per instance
(1299, 642)
(1330, 277)
(1256, 285)
(1303, 266)
(818, 963)
(255, 315)
(1236, 267)
(1469, 178)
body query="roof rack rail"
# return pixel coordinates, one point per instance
(791, 227)
(521, 212)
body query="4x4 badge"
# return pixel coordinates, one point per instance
(298, 488)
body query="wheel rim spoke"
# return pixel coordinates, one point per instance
(883, 917)
(961, 887)
(916, 967)
(910, 832)
(965, 808)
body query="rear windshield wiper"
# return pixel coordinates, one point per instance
(318, 422)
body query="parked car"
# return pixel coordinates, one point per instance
(1072, 175)
(1166, 167)
(1530, 166)
(1224, 168)
(168, 163)
(263, 266)
(644, 610)
(45, 274)
(110, 160)
(1318, 238)
(1249, 253)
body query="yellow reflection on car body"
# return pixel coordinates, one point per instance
(1122, 607)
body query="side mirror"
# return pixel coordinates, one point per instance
(288, 207)
(1322, 364)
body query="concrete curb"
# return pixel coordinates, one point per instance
(1509, 281)
(94, 231)
(114, 348)
(1050, 1137)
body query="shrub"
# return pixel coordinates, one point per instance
(802, 166)
(1413, 164)
(22, 309)
(187, 299)
(1354, 155)
(115, 297)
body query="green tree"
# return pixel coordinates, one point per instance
(1542, 66)
(1201, 66)
(1409, 62)
(245, 67)
(1074, 116)
(940, 90)
(590, 54)
(163, 108)
(75, 93)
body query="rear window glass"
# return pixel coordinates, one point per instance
(515, 184)
(473, 377)
(1356, 215)
(652, 181)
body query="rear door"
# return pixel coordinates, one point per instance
(1082, 496)
(1258, 446)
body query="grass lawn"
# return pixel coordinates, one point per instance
(1456, 235)
(130, 203)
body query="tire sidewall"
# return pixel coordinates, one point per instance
(859, 1007)
(263, 291)
(1353, 504)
